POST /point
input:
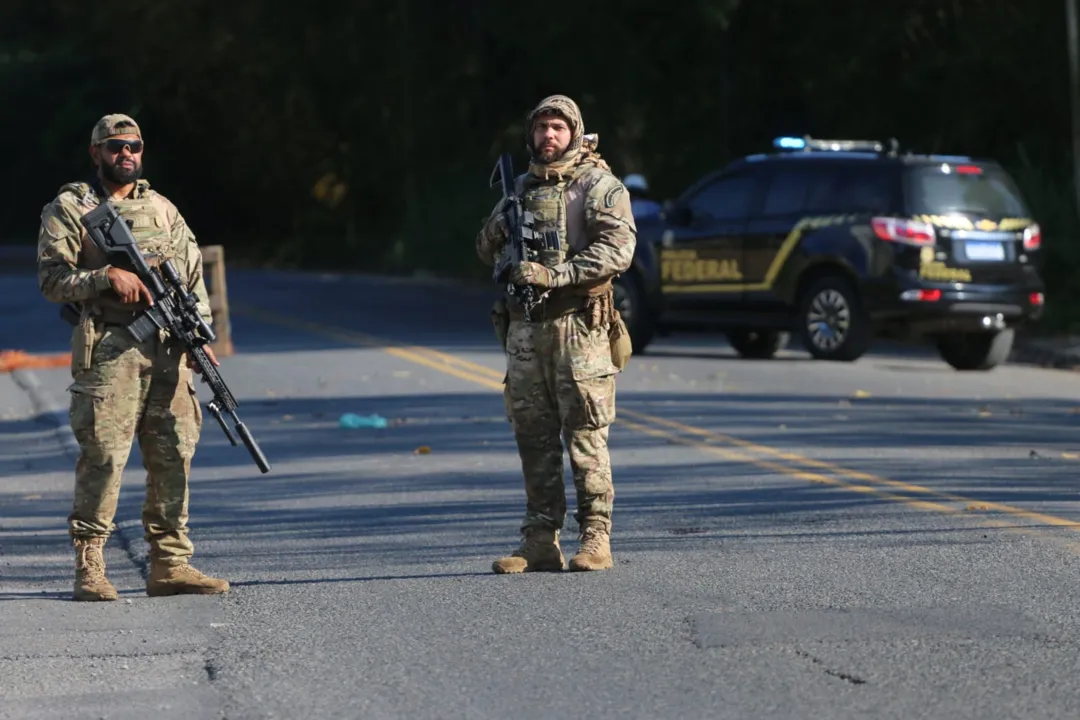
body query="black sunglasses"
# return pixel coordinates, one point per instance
(117, 146)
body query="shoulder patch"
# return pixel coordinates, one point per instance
(75, 200)
(88, 199)
(77, 193)
(612, 196)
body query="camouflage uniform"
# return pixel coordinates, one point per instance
(560, 380)
(122, 388)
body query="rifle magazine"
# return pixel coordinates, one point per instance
(144, 327)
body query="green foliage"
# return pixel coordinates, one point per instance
(362, 134)
(1052, 200)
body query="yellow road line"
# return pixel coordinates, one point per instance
(422, 356)
(802, 459)
(492, 378)
(856, 474)
(792, 457)
(784, 469)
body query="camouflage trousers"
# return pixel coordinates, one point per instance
(131, 390)
(560, 388)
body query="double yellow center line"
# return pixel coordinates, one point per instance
(710, 442)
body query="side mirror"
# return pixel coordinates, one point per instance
(676, 213)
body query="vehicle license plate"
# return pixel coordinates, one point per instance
(981, 250)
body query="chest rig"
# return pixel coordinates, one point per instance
(149, 226)
(547, 203)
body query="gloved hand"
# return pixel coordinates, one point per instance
(494, 235)
(501, 225)
(530, 273)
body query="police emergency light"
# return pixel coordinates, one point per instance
(789, 143)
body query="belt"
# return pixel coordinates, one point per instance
(560, 305)
(545, 310)
(538, 315)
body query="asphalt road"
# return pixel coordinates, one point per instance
(793, 538)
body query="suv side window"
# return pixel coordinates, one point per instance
(788, 190)
(867, 187)
(726, 198)
(871, 189)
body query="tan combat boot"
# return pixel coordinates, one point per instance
(539, 552)
(595, 550)
(90, 581)
(182, 580)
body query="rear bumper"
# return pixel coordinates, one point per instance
(931, 307)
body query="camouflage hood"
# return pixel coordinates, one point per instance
(582, 147)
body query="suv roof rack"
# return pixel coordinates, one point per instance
(807, 144)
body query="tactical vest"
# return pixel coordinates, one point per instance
(547, 202)
(152, 233)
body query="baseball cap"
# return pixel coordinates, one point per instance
(114, 124)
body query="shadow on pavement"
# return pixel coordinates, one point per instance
(371, 501)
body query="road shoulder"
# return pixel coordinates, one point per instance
(59, 657)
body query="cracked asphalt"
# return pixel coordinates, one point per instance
(793, 539)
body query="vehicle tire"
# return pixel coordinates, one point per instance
(757, 344)
(833, 322)
(629, 298)
(977, 350)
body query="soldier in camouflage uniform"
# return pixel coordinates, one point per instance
(123, 389)
(561, 366)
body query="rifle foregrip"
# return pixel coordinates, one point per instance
(215, 410)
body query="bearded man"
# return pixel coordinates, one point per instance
(562, 363)
(123, 388)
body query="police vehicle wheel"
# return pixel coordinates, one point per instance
(629, 298)
(976, 351)
(832, 321)
(757, 344)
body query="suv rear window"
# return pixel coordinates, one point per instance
(944, 189)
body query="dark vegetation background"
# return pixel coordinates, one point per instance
(352, 134)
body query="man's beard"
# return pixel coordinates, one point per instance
(548, 155)
(120, 176)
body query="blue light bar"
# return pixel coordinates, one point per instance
(790, 143)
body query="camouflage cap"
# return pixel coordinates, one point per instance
(111, 125)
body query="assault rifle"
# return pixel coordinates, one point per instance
(524, 242)
(175, 309)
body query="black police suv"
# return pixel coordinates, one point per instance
(840, 242)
